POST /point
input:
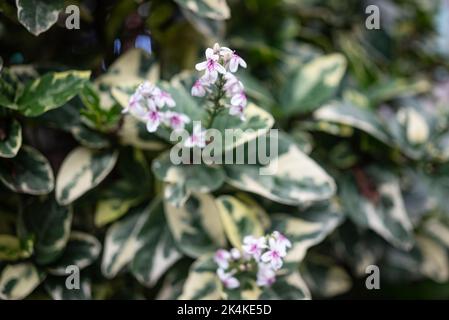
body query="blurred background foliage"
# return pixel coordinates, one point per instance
(371, 107)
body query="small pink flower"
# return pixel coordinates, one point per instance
(176, 120)
(266, 276)
(235, 254)
(197, 138)
(153, 118)
(211, 65)
(164, 98)
(232, 85)
(228, 280)
(239, 99)
(135, 106)
(274, 254)
(198, 89)
(282, 240)
(148, 89)
(236, 61)
(222, 258)
(237, 111)
(253, 246)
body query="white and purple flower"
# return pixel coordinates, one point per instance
(164, 98)
(235, 61)
(222, 62)
(266, 276)
(153, 118)
(175, 120)
(197, 138)
(228, 279)
(253, 246)
(274, 255)
(211, 66)
(222, 258)
(255, 256)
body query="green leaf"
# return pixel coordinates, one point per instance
(82, 170)
(287, 287)
(158, 252)
(115, 202)
(10, 89)
(356, 117)
(132, 68)
(308, 229)
(202, 282)
(19, 280)
(196, 227)
(81, 250)
(258, 122)
(292, 178)
(134, 133)
(122, 243)
(28, 172)
(38, 16)
(12, 248)
(57, 288)
(49, 224)
(90, 138)
(187, 178)
(324, 277)
(51, 91)
(239, 219)
(313, 84)
(212, 9)
(381, 210)
(10, 139)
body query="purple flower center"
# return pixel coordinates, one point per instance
(154, 115)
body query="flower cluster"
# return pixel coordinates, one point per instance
(261, 256)
(152, 105)
(219, 68)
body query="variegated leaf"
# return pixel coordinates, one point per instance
(196, 227)
(357, 117)
(381, 210)
(51, 91)
(28, 172)
(121, 242)
(89, 138)
(435, 259)
(437, 229)
(308, 229)
(158, 252)
(324, 277)
(56, 287)
(239, 219)
(134, 133)
(10, 139)
(428, 258)
(49, 224)
(116, 200)
(82, 170)
(186, 178)
(313, 84)
(292, 178)
(131, 69)
(287, 287)
(17, 281)
(212, 9)
(82, 250)
(202, 282)
(38, 16)
(173, 282)
(258, 122)
(13, 248)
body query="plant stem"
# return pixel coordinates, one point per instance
(216, 105)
